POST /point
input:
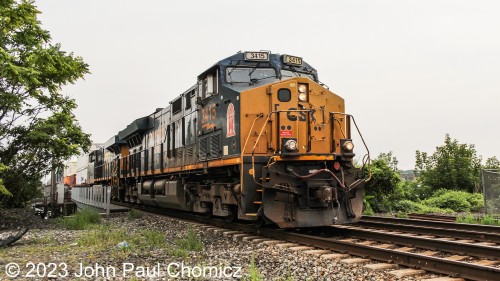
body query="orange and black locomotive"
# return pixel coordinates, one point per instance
(257, 138)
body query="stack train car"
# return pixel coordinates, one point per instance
(257, 138)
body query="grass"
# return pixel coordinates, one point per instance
(100, 241)
(190, 243)
(253, 272)
(103, 237)
(401, 215)
(81, 220)
(471, 219)
(183, 246)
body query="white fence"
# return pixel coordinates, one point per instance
(96, 196)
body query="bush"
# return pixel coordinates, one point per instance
(408, 206)
(476, 201)
(368, 210)
(134, 214)
(458, 201)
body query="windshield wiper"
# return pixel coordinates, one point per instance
(255, 80)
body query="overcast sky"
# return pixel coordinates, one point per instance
(409, 71)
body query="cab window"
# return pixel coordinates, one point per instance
(248, 75)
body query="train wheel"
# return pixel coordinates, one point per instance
(261, 219)
(233, 214)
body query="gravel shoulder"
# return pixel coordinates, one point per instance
(158, 242)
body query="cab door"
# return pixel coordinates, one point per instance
(290, 119)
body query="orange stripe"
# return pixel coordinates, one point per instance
(305, 158)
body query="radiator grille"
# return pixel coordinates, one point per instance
(203, 148)
(215, 146)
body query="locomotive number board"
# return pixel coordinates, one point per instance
(258, 56)
(292, 60)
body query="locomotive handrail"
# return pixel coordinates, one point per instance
(262, 131)
(366, 159)
(260, 115)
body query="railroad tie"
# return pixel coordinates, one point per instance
(335, 256)
(317, 252)
(444, 279)
(354, 261)
(379, 266)
(406, 272)
(286, 245)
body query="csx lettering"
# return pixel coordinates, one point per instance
(293, 117)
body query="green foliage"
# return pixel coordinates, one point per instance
(492, 163)
(414, 190)
(153, 238)
(368, 210)
(253, 272)
(409, 206)
(23, 188)
(103, 237)
(134, 214)
(381, 189)
(458, 201)
(191, 242)
(81, 220)
(186, 244)
(441, 202)
(470, 219)
(3, 191)
(401, 215)
(37, 127)
(452, 166)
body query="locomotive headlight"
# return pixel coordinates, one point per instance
(291, 145)
(302, 88)
(348, 146)
(302, 92)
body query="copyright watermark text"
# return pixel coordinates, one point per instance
(96, 270)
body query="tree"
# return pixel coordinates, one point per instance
(451, 166)
(37, 127)
(3, 190)
(384, 182)
(492, 163)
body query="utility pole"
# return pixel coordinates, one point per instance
(52, 188)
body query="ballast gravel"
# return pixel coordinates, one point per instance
(47, 242)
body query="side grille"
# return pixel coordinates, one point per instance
(203, 148)
(210, 146)
(215, 151)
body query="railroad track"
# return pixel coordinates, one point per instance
(432, 217)
(432, 223)
(459, 231)
(466, 259)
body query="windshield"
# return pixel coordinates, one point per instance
(248, 75)
(288, 73)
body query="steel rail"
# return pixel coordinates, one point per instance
(439, 231)
(432, 217)
(430, 223)
(420, 242)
